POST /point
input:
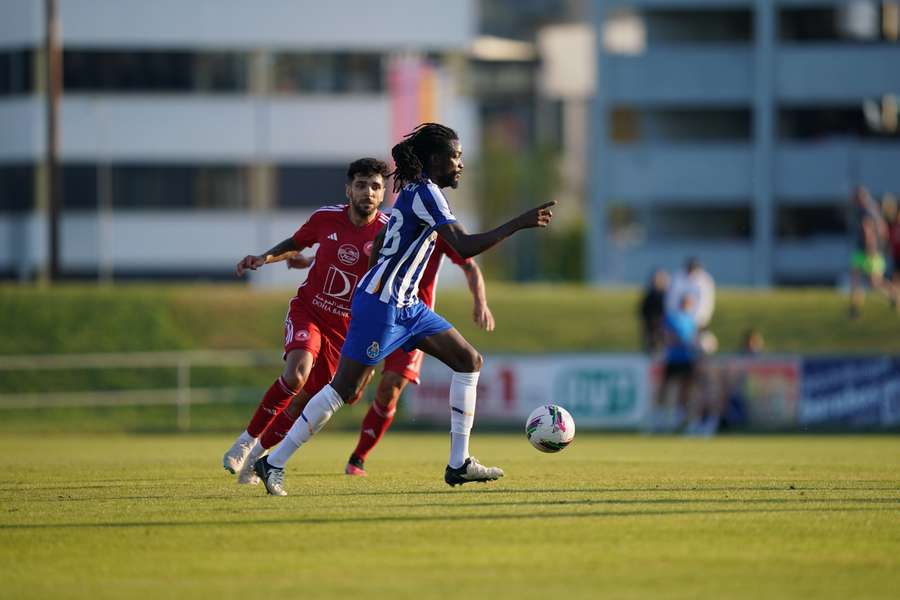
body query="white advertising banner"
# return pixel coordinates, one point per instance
(600, 390)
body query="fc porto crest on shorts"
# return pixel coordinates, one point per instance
(373, 350)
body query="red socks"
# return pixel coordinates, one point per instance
(276, 430)
(277, 397)
(373, 427)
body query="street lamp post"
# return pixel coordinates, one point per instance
(54, 89)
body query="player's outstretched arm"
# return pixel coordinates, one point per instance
(468, 245)
(481, 313)
(298, 261)
(281, 251)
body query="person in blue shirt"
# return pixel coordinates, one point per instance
(386, 313)
(681, 354)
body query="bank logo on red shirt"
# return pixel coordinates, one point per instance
(348, 254)
(339, 284)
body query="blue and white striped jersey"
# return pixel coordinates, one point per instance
(408, 243)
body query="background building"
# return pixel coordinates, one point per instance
(734, 130)
(728, 129)
(192, 132)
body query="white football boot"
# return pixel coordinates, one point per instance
(236, 456)
(247, 475)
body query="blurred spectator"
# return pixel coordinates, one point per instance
(707, 342)
(705, 409)
(680, 329)
(866, 261)
(892, 218)
(731, 407)
(752, 342)
(653, 311)
(696, 282)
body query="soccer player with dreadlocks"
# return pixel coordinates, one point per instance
(387, 314)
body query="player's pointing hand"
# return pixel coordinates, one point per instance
(539, 216)
(249, 262)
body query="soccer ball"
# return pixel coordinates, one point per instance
(550, 428)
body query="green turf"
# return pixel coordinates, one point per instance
(610, 517)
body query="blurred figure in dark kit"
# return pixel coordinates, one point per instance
(652, 311)
(892, 217)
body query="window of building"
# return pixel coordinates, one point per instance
(701, 222)
(154, 71)
(869, 119)
(329, 73)
(157, 186)
(204, 186)
(684, 125)
(812, 220)
(630, 224)
(688, 26)
(16, 188)
(79, 186)
(853, 21)
(16, 72)
(517, 19)
(311, 185)
(493, 79)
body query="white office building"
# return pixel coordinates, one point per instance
(194, 131)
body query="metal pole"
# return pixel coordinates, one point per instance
(104, 200)
(599, 262)
(54, 89)
(764, 149)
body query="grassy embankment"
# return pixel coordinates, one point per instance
(544, 318)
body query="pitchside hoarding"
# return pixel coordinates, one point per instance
(612, 391)
(601, 391)
(851, 392)
(615, 391)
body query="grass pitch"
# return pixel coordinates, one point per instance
(611, 516)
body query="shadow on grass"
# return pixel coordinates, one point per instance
(432, 518)
(101, 484)
(513, 503)
(105, 484)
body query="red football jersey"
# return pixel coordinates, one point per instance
(894, 240)
(429, 275)
(341, 260)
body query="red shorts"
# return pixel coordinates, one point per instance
(305, 330)
(405, 364)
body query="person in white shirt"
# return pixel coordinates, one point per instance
(694, 281)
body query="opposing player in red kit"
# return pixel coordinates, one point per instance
(318, 316)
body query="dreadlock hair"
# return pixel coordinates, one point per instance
(414, 152)
(366, 167)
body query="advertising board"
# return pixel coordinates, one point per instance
(602, 391)
(851, 392)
